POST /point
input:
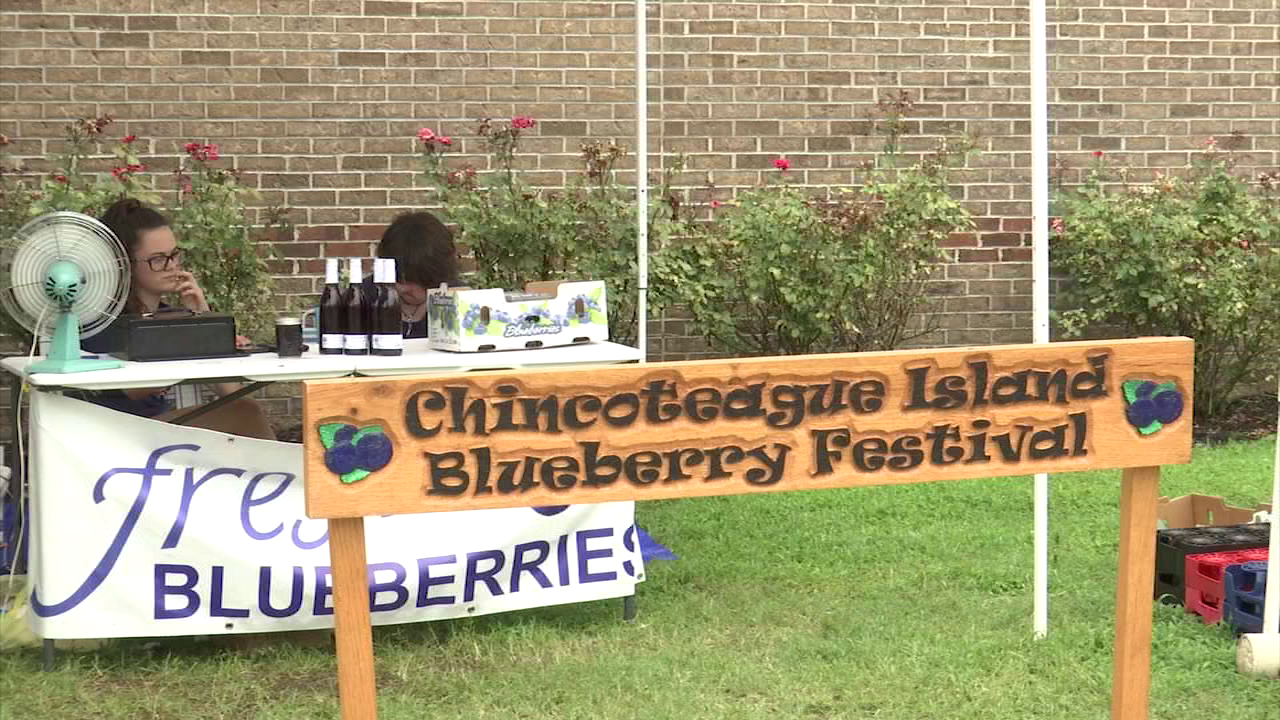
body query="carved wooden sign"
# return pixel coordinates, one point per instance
(687, 429)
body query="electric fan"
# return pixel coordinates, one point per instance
(64, 276)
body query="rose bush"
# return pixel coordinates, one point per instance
(1193, 253)
(208, 206)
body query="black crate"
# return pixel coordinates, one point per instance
(1174, 545)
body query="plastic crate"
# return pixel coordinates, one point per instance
(1205, 574)
(1246, 589)
(1174, 545)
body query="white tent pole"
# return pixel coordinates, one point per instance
(642, 180)
(1040, 281)
(1271, 604)
(1259, 653)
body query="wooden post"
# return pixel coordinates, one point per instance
(352, 623)
(1131, 676)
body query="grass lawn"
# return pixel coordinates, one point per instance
(908, 603)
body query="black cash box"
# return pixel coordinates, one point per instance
(174, 335)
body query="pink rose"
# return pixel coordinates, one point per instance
(444, 140)
(426, 135)
(523, 122)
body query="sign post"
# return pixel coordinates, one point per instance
(694, 429)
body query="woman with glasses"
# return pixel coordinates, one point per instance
(156, 272)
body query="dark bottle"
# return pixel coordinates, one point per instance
(332, 340)
(356, 329)
(388, 339)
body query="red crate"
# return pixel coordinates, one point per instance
(1204, 580)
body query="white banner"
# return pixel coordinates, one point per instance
(144, 529)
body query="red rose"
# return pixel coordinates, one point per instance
(128, 139)
(192, 148)
(523, 122)
(444, 140)
(1097, 153)
(782, 164)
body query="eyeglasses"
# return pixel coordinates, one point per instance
(159, 263)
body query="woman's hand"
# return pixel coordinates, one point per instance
(190, 293)
(242, 342)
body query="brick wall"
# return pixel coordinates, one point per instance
(317, 100)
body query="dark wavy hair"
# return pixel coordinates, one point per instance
(423, 249)
(128, 218)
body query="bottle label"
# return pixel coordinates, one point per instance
(356, 342)
(333, 341)
(388, 342)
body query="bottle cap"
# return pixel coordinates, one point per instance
(331, 271)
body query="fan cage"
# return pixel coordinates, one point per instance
(28, 254)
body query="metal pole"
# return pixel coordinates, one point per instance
(1271, 602)
(642, 180)
(1040, 281)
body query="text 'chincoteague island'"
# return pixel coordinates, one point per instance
(666, 429)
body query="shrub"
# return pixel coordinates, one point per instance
(518, 233)
(1192, 255)
(212, 223)
(778, 272)
(220, 241)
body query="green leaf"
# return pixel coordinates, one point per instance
(354, 476)
(327, 432)
(1131, 390)
(370, 430)
(1154, 426)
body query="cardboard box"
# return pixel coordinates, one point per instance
(546, 314)
(1203, 510)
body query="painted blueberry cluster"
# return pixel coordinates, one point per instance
(589, 305)
(473, 320)
(1151, 405)
(353, 453)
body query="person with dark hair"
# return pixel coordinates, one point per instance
(155, 269)
(155, 258)
(426, 257)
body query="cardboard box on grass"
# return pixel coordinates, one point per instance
(546, 314)
(1205, 510)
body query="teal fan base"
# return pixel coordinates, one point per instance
(62, 284)
(64, 351)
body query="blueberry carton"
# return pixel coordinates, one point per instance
(546, 314)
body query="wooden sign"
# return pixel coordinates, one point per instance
(645, 432)
(667, 430)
